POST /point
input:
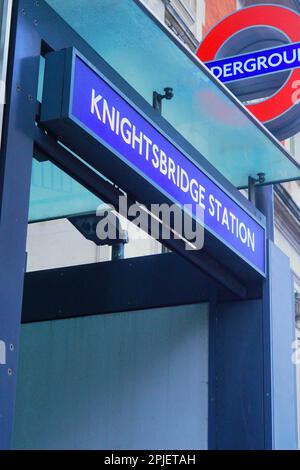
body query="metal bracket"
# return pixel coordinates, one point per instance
(157, 98)
(252, 186)
(87, 225)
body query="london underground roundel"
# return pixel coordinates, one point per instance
(256, 53)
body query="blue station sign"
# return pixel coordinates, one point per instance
(88, 101)
(255, 64)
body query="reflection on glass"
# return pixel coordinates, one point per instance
(55, 194)
(53, 240)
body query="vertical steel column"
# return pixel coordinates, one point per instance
(15, 175)
(264, 201)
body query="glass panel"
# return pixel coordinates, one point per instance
(41, 79)
(57, 243)
(55, 194)
(201, 110)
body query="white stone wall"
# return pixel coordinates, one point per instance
(192, 12)
(157, 7)
(57, 243)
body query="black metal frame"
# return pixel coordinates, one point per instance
(134, 284)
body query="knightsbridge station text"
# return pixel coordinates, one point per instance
(141, 151)
(122, 127)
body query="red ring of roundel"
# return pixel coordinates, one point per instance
(277, 17)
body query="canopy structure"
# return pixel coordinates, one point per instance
(149, 57)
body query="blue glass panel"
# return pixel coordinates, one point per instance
(202, 110)
(41, 79)
(55, 194)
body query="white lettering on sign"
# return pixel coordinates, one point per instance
(120, 125)
(2, 353)
(261, 62)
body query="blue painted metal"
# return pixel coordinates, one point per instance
(281, 308)
(16, 158)
(239, 369)
(255, 390)
(264, 201)
(212, 375)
